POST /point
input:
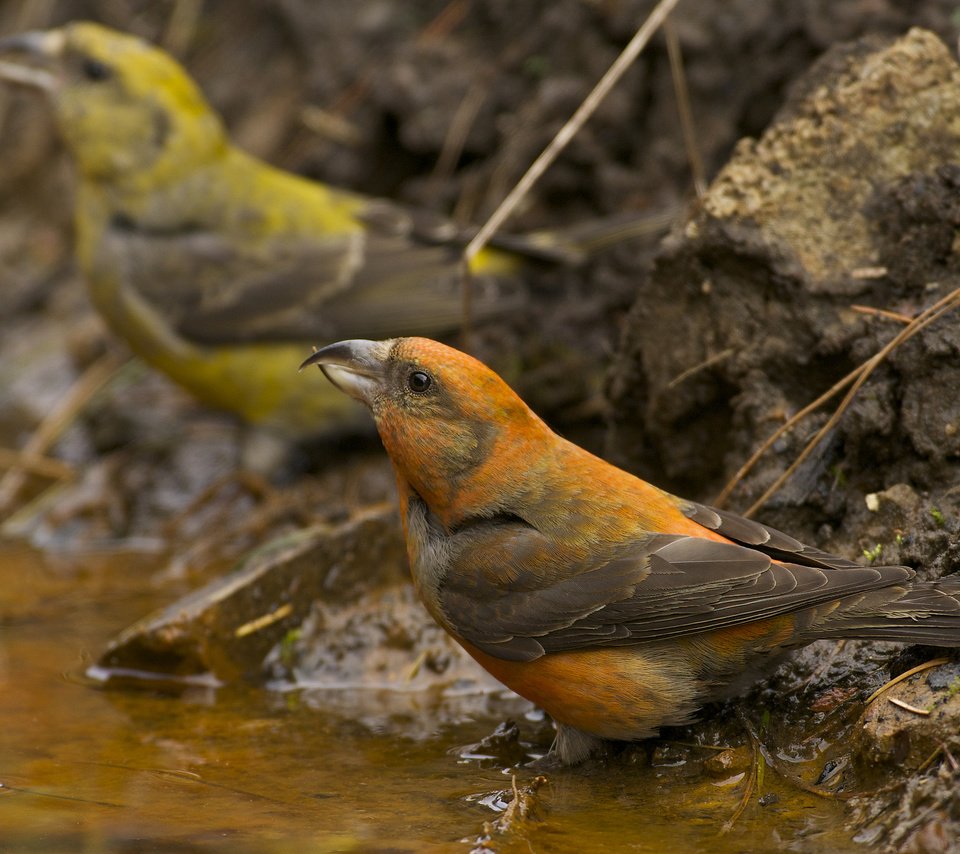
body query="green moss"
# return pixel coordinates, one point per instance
(537, 66)
(287, 646)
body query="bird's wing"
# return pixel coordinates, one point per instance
(770, 541)
(213, 288)
(513, 595)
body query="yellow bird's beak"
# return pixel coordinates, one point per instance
(45, 45)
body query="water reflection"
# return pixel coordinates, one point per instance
(241, 768)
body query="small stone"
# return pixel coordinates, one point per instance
(728, 761)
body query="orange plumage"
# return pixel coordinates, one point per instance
(613, 605)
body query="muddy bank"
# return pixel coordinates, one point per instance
(762, 301)
(813, 248)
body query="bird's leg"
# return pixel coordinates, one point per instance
(573, 745)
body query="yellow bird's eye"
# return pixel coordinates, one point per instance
(95, 70)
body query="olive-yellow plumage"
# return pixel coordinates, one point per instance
(216, 267)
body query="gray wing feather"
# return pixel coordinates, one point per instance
(665, 586)
(213, 288)
(768, 540)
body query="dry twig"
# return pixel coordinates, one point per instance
(571, 128)
(58, 420)
(447, 20)
(697, 172)
(182, 26)
(881, 312)
(706, 363)
(456, 138)
(748, 788)
(43, 466)
(563, 137)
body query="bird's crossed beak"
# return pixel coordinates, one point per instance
(355, 367)
(46, 45)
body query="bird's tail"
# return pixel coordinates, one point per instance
(927, 612)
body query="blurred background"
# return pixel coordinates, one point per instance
(442, 104)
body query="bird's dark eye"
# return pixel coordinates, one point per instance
(419, 381)
(95, 70)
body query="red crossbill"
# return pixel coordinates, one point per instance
(616, 607)
(217, 268)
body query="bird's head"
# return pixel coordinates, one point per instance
(122, 105)
(457, 434)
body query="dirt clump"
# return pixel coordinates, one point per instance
(752, 309)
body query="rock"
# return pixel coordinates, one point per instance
(377, 658)
(893, 505)
(729, 761)
(920, 815)
(226, 628)
(889, 734)
(920, 811)
(749, 313)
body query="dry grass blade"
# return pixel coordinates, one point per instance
(254, 484)
(181, 774)
(923, 766)
(182, 26)
(857, 376)
(458, 131)
(788, 425)
(902, 704)
(949, 302)
(56, 421)
(881, 312)
(683, 108)
(331, 126)
(706, 363)
(55, 796)
(947, 755)
(417, 665)
(954, 765)
(570, 129)
(749, 787)
(927, 665)
(43, 466)
(446, 21)
(546, 157)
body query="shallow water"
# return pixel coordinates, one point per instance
(241, 768)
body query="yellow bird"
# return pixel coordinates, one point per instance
(217, 268)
